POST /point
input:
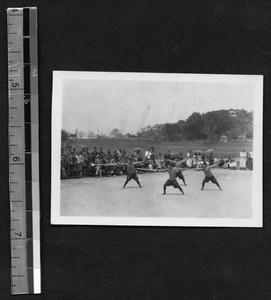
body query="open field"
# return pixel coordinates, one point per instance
(106, 197)
(221, 150)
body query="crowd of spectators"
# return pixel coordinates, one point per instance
(83, 162)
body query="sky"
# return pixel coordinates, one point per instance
(102, 105)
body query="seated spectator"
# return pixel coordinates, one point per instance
(233, 164)
(139, 157)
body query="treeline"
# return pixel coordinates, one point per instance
(207, 126)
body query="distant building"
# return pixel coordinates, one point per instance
(223, 139)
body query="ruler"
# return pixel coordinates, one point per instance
(23, 150)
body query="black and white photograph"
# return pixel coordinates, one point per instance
(155, 149)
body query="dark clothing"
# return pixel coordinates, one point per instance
(211, 178)
(167, 156)
(132, 176)
(93, 156)
(180, 175)
(131, 169)
(249, 163)
(174, 183)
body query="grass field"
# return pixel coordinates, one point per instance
(105, 196)
(221, 150)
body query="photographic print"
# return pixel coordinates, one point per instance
(156, 149)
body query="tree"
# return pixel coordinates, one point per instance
(90, 135)
(116, 134)
(194, 127)
(80, 134)
(64, 135)
(174, 131)
(250, 135)
(217, 123)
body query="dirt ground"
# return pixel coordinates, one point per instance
(106, 197)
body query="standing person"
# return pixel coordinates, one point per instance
(80, 163)
(72, 162)
(243, 156)
(109, 154)
(211, 159)
(249, 162)
(178, 168)
(172, 179)
(131, 173)
(159, 161)
(148, 154)
(86, 161)
(189, 159)
(208, 175)
(93, 155)
(98, 162)
(167, 156)
(152, 156)
(101, 153)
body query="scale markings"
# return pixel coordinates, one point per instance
(22, 59)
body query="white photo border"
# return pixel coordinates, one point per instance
(257, 192)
